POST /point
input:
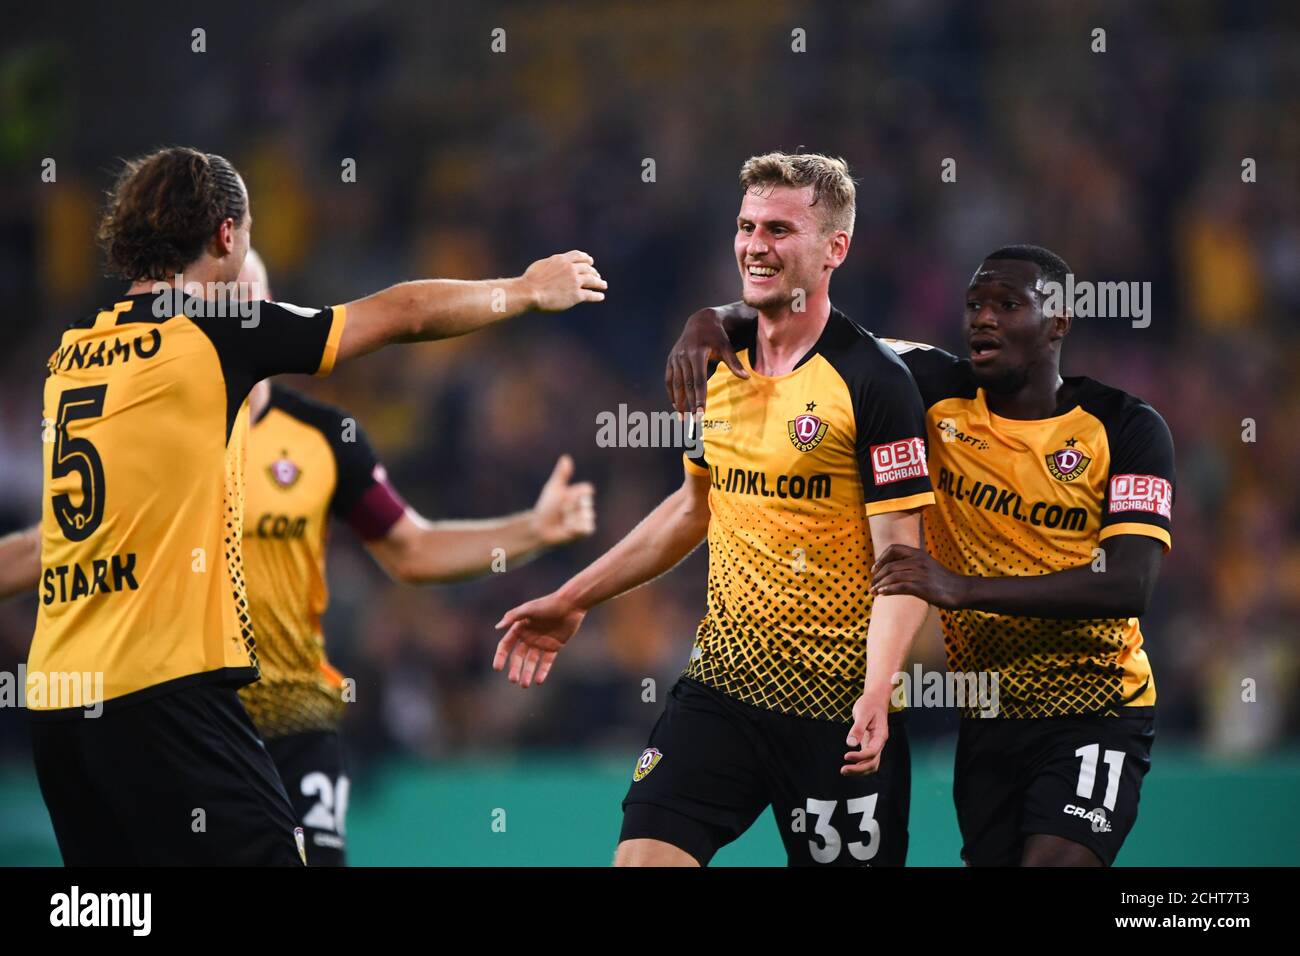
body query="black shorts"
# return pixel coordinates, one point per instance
(175, 780)
(311, 766)
(714, 764)
(1074, 777)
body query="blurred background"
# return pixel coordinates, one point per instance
(471, 163)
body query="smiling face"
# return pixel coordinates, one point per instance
(782, 245)
(1005, 326)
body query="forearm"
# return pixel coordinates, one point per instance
(1076, 593)
(895, 619)
(442, 308)
(666, 536)
(446, 551)
(734, 315)
(20, 562)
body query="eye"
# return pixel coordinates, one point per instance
(1010, 306)
(972, 306)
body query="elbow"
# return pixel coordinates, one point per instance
(401, 569)
(1137, 596)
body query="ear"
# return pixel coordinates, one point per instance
(837, 249)
(1061, 325)
(223, 240)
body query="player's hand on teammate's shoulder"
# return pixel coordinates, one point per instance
(866, 738)
(904, 570)
(686, 377)
(563, 280)
(563, 511)
(535, 632)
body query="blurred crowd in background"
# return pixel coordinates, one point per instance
(471, 163)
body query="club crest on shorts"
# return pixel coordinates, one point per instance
(283, 471)
(806, 432)
(1067, 464)
(645, 764)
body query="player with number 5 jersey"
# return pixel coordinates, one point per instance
(142, 595)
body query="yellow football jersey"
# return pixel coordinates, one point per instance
(306, 461)
(797, 463)
(1026, 497)
(145, 419)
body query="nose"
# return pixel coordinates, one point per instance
(984, 318)
(757, 244)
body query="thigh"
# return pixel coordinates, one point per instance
(826, 818)
(311, 765)
(988, 789)
(193, 783)
(85, 826)
(696, 786)
(1087, 779)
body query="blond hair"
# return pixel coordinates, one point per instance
(828, 176)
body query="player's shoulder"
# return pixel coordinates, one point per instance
(862, 356)
(1120, 412)
(858, 355)
(328, 419)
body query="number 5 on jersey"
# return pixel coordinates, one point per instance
(78, 456)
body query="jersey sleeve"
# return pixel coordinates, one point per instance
(277, 338)
(938, 374)
(363, 496)
(1140, 487)
(891, 447)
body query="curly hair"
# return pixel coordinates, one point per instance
(163, 210)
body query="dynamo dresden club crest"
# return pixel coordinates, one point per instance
(1067, 464)
(806, 432)
(283, 472)
(645, 764)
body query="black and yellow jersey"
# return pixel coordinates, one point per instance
(145, 420)
(306, 461)
(1025, 497)
(797, 464)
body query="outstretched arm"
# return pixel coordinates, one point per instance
(1123, 589)
(418, 551)
(536, 631)
(20, 561)
(442, 308)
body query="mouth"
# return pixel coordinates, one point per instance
(984, 348)
(759, 274)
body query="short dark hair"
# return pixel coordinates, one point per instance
(1052, 266)
(163, 209)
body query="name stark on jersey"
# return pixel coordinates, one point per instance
(75, 582)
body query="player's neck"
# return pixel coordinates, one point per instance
(205, 271)
(784, 336)
(258, 399)
(1037, 397)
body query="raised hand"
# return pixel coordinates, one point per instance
(563, 280)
